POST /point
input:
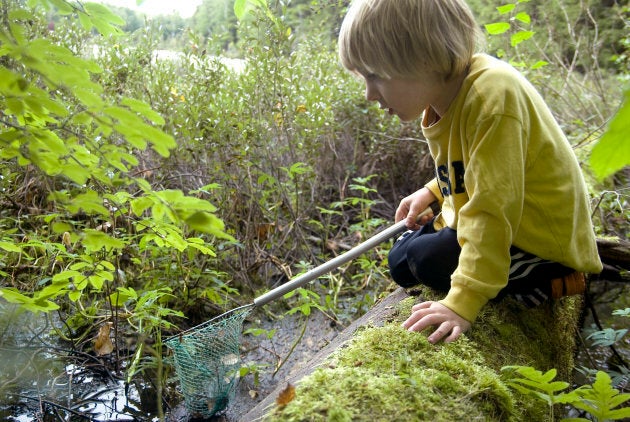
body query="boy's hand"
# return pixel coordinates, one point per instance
(411, 206)
(433, 314)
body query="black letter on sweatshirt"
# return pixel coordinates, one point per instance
(442, 174)
(458, 166)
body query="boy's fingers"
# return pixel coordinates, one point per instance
(455, 333)
(443, 330)
(422, 305)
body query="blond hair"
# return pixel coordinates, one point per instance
(408, 38)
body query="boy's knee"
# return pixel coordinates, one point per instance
(399, 265)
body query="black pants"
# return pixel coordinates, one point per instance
(430, 257)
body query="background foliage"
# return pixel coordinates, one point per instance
(140, 185)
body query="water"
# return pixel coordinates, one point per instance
(41, 378)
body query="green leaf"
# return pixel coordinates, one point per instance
(10, 247)
(196, 243)
(607, 336)
(497, 28)
(13, 296)
(208, 223)
(63, 7)
(122, 295)
(97, 281)
(523, 17)
(108, 266)
(622, 312)
(76, 172)
(239, 8)
(141, 204)
(143, 109)
(66, 275)
(539, 64)
(106, 22)
(520, 36)
(74, 295)
(601, 399)
(89, 202)
(60, 227)
(612, 152)
(162, 143)
(506, 8)
(12, 83)
(95, 240)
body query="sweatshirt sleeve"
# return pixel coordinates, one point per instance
(435, 190)
(494, 179)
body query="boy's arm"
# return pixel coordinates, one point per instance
(411, 206)
(487, 223)
(435, 190)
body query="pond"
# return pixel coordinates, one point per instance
(43, 379)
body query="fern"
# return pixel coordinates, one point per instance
(600, 399)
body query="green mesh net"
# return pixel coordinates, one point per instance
(207, 361)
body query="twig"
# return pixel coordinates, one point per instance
(56, 406)
(293, 346)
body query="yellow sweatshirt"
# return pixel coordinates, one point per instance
(505, 175)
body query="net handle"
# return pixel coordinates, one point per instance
(326, 267)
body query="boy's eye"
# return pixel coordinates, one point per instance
(371, 77)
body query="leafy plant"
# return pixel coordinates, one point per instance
(600, 399)
(607, 336)
(518, 26)
(254, 369)
(307, 300)
(101, 220)
(611, 153)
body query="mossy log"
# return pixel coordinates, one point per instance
(614, 251)
(615, 255)
(377, 371)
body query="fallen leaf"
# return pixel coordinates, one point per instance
(286, 396)
(229, 360)
(66, 239)
(103, 344)
(253, 394)
(265, 229)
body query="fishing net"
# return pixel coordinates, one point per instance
(207, 361)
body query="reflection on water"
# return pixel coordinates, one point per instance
(40, 377)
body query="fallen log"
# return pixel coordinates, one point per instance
(614, 251)
(375, 370)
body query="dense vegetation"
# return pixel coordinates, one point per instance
(137, 189)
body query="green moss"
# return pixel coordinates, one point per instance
(388, 373)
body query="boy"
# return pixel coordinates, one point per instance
(514, 206)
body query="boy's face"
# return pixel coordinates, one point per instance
(406, 98)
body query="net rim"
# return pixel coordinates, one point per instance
(245, 309)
